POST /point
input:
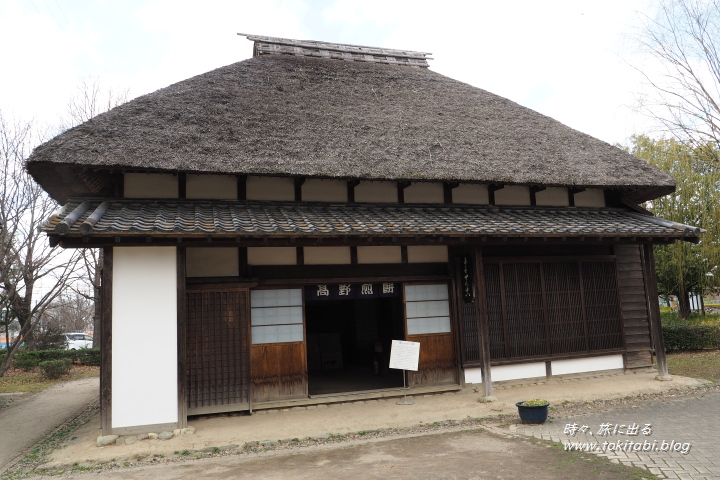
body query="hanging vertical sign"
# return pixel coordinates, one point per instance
(468, 287)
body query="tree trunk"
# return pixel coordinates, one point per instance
(684, 305)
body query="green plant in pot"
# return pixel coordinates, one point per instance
(533, 411)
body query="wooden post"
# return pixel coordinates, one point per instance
(484, 330)
(181, 339)
(106, 343)
(654, 312)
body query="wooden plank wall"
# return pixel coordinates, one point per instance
(633, 300)
(437, 365)
(279, 371)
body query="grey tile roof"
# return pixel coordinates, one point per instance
(126, 217)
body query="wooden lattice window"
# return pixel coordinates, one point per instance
(543, 308)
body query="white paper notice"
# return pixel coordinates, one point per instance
(404, 355)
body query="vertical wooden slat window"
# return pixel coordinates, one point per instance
(217, 350)
(543, 308)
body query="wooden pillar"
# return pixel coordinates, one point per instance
(483, 329)
(181, 340)
(106, 343)
(654, 311)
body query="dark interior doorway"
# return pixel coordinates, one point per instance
(348, 344)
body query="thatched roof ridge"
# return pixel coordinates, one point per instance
(300, 116)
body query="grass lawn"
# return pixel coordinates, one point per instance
(703, 364)
(16, 380)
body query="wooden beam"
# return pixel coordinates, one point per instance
(401, 186)
(492, 188)
(106, 343)
(182, 185)
(245, 241)
(484, 329)
(533, 190)
(351, 184)
(298, 188)
(657, 340)
(242, 187)
(181, 339)
(448, 187)
(571, 195)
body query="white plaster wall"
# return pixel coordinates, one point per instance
(471, 193)
(553, 197)
(326, 255)
(212, 262)
(270, 188)
(144, 336)
(591, 197)
(378, 192)
(514, 372)
(593, 364)
(379, 254)
(150, 185)
(424, 192)
(427, 254)
(272, 256)
(473, 375)
(320, 190)
(513, 195)
(216, 187)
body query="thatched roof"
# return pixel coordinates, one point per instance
(323, 117)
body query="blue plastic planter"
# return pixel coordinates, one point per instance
(533, 415)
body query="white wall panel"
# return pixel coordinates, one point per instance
(553, 196)
(515, 372)
(322, 190)
(513, 195)
(144, 336)
(471, 194)
(150, 185)
(378, 192)
(270, 188)
(212, 262)
(427, 254)
(217, 187)
(326, 255)
(272, 255)
(379, 254)
(592, 197)
(581, 365)
(424, 192)
(473, 375)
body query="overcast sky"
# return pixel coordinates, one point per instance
(570, 60)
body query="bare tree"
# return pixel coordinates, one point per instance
(69, 312)
(91, 100)
(32, 273)
(684, 38)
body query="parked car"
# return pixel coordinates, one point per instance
(76, 341)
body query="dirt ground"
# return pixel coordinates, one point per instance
(475, 454)
(320, 422)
